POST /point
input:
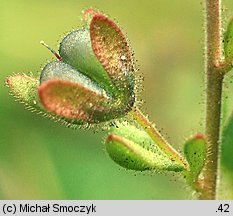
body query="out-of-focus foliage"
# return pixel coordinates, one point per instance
(40, 159)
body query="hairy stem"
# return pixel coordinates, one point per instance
(213, 97)
(156, 136)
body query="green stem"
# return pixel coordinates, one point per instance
(213, 97)
(156, 136)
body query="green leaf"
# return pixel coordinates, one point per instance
(226, 159)
(227, 145)
(132, 148)
(228, 42)
(195, 153)
(24, 88)
(227, 103)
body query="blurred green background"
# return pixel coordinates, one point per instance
(40, 159)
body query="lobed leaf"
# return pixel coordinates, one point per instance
(132, 148)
